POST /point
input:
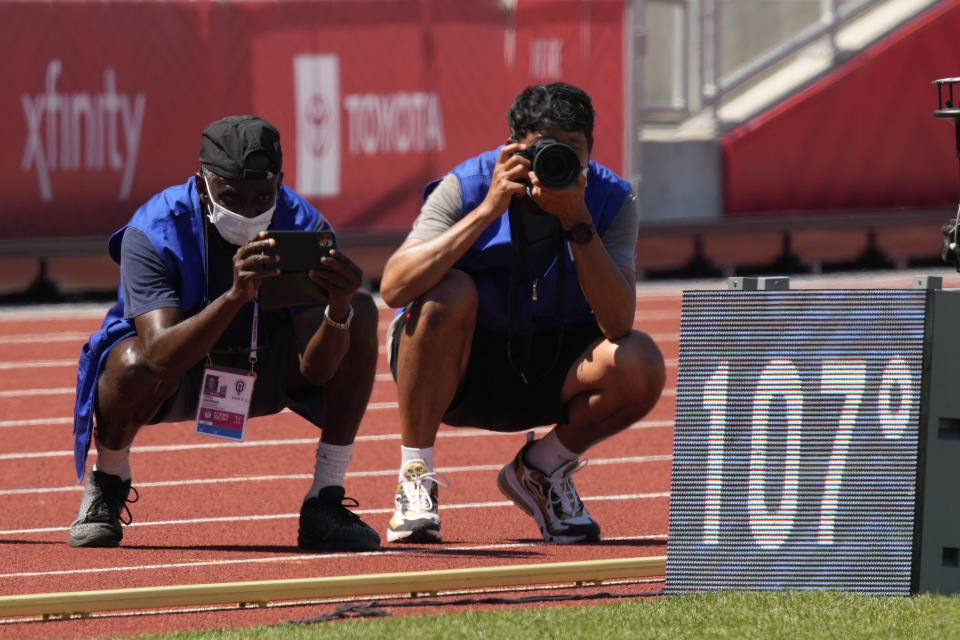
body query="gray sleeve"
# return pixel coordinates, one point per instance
(620, 238)
(147, 284)
(440, 211)
(443, 206)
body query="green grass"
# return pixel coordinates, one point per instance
(733, 615)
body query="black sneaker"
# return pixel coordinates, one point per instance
(100, 516)
(327, 525)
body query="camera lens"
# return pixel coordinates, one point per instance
(556, 165)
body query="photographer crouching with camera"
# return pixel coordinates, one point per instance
(516, 292)
(191, 338)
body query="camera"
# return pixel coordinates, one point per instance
(950, 246)
(947, 109)
(556, 164)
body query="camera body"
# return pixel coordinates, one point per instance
(950, 246)
(947, 109)
(556, 164)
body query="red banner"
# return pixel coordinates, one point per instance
(864, 137)
(106, 101)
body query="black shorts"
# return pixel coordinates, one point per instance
(269, 393)
(493, 395)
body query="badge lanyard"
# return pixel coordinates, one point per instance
(255, 334)
(255, 328)
(226, 394)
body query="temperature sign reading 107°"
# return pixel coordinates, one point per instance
(795, 445)
(780, 379)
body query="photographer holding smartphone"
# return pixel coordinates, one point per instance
(192, 262)
(516, 290)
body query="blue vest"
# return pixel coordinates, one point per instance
(493, 257)
(173, 222)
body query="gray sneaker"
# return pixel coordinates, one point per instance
(327, 525)
(551, 499)
(103, 511)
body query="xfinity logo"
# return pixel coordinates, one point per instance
(81, 130)
(377, 123)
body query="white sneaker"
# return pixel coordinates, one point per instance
(415, 518)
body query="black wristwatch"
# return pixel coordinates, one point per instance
(580, 233)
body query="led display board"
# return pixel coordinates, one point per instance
(800, 444)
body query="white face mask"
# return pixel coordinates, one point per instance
(235, 228)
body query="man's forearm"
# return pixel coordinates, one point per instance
(324, 353)
(608, 291)
(175, 349)
(420, 266)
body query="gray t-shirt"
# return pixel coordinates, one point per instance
(147, 284)
(442, 210)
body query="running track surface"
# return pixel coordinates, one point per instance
(215, 511)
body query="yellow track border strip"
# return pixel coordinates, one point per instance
(86, 602)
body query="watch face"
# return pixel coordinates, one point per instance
(581, 233)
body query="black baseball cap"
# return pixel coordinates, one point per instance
(241, 148)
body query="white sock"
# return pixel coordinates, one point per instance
(408, 454)
(116, 462)
(548, 454)
(331, 466)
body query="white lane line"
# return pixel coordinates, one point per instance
(31, 422)
(393, 551)
(24, 393)
(379, 511)
(24, 365)
(55, 311)
(305, 476)
(59, 336)
(35, 422)
(443, 433)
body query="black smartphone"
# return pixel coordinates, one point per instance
(291, 289)
(301, 250)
